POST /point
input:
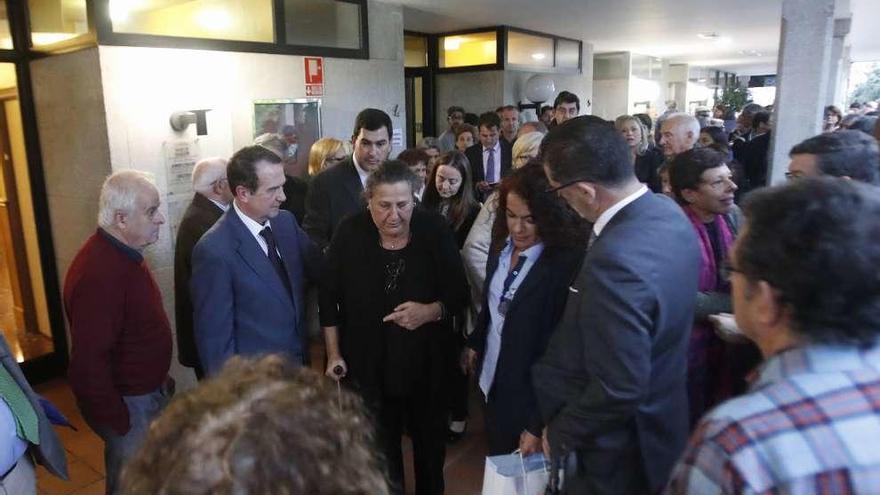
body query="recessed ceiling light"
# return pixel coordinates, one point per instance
(538, 56)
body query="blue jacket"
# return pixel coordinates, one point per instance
(240, 304)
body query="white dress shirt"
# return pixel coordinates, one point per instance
(255, 228)
(220, 205)
(496, 319)
(363, 174)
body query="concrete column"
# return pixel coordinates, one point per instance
(839, 73)
(802, 77)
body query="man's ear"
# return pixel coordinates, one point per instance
(769, 309)
(587, 189)
(241, 193)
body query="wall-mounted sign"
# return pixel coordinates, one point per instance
(314, 67)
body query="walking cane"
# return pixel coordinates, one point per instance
(338, 370)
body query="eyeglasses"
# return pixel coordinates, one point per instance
(393, 270)
(562, 186)
(719, 184)
(727, 269)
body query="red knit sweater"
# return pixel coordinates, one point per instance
(121, 338)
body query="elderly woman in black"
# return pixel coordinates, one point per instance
(537, 246)
(393, 277)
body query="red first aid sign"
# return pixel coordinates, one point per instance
(314, 67)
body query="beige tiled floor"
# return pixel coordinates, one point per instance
(464, 460)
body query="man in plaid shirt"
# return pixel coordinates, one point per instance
(806, 290)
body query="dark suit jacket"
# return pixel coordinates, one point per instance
(241, 304)
(200, 215)
(50, 452)
(531, 317)
(474, 155)
(611, 386)
(333, 194)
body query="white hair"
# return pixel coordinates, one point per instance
(119, 194)
(526, 145)
(206, 173)
(685, 121)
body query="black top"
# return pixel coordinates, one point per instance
(647, 166)
(295, 190)
(364, 282)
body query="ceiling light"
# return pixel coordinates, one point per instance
(452, 43)
(538, 56)
(214, 19)
(120, 9)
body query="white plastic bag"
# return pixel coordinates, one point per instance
(513, 474)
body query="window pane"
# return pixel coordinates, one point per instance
(462, 50)
(526, 49)
(323, 23)
(5, 36)
(415, 51)
(568, 54)
(240, 20)
(53, 21)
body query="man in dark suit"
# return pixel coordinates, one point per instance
(490, 159)
(248, 270)
(21, 406)
(337, 191)
(212, 197)
(611, 386)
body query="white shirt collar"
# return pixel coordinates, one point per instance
(363, 174)
(532, 254)
(497, 147)
(220, 205)
(608, 214)
(252, 225)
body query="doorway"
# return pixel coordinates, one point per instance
(419, 93)
(24, 315)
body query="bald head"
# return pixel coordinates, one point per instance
(679, 133)
(209, 179)
(532, 126)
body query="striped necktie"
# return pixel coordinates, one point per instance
(27, 425)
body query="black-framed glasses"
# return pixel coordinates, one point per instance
(393, 270)
(727, 269)
(562, 186)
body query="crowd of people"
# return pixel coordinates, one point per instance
(596, 280)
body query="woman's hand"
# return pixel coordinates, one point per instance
(411, 315)
(334, 365)
(468, 361)
(529, 444)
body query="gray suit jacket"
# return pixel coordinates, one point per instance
(50, 452)
(611, 386)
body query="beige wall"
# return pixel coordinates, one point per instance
(107, 109)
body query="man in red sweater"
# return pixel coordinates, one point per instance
(121, 338)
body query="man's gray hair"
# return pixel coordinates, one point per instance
(685, 121)
(119, 194)
(207, 172)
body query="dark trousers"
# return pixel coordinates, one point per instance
(427, 428)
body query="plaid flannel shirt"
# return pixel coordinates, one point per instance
(809, 425)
